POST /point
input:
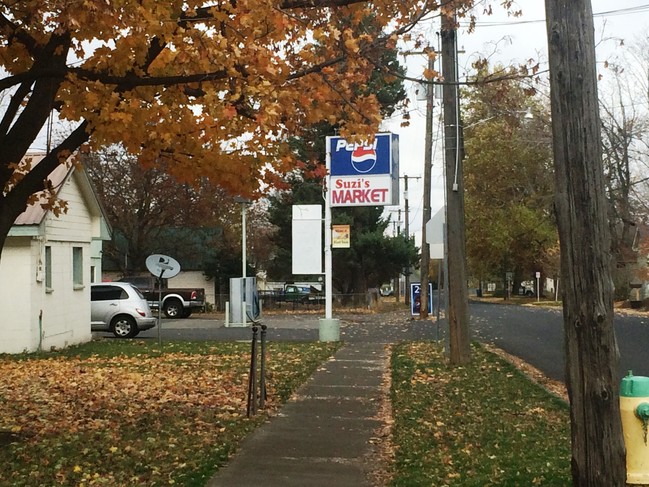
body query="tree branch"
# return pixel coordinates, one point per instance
(10, 30)
(34, 179)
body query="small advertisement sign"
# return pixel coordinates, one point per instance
(415, 298)
(306, 244)
(340, 236)
(364, 174)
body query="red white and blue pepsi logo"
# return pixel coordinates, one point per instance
(348, 159)
(363, 159)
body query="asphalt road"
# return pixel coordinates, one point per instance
(389, 327)
(532, 333)
(535, 334)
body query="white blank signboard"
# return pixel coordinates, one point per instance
(307, 239)
(435, 234)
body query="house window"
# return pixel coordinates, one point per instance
(93, 271)
(48, 268)
(77, 267)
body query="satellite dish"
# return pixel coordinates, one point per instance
(162, 265)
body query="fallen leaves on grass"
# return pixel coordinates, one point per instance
(140, 418)
(481, 424)
(554, 386)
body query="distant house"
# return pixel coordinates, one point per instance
(47, 266)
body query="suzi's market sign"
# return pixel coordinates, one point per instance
(363, 174)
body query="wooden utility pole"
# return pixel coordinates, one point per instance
(407, 230)
(598, 457)
(428, 161)
(458, 298)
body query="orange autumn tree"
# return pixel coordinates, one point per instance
(202, 88)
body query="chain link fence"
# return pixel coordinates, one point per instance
(272, 300)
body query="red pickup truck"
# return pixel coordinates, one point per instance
(176, 302)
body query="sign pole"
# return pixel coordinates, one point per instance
(328, 327)
(328, 260)
(158, 264)
(160, 308)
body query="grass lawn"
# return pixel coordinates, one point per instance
(481, 425)
(126, 413)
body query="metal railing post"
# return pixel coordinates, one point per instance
(262, 373)
(252, 379)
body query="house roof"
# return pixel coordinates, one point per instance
(35, 213)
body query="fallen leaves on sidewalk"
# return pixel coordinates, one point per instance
(380, 458)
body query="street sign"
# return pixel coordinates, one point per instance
(415, 298)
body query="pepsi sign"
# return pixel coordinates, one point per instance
(363, 174)
(353, 159)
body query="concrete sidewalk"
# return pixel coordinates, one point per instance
(321, 437)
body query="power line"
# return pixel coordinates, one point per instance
(607, 13)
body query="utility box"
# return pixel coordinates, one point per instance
(244, 301)
(634, 409)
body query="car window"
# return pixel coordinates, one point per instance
(107, 293)
(138, 292)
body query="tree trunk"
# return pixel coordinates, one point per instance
(591, 349)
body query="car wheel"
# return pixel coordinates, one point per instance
(124, 326)
(173, 308)
(529, 293)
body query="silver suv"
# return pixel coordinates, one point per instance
(120, 308)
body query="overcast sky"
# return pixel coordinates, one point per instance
(506, 40)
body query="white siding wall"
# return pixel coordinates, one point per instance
(66, 315)
(74, 226)
(95, 260)
(16, 298)
(66, 309)
(60, 317)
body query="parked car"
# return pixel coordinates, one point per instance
(387, 290)
(301, 294)
(176, 302)
(526, 291)
(119, 308)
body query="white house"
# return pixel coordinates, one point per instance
(47, 266)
